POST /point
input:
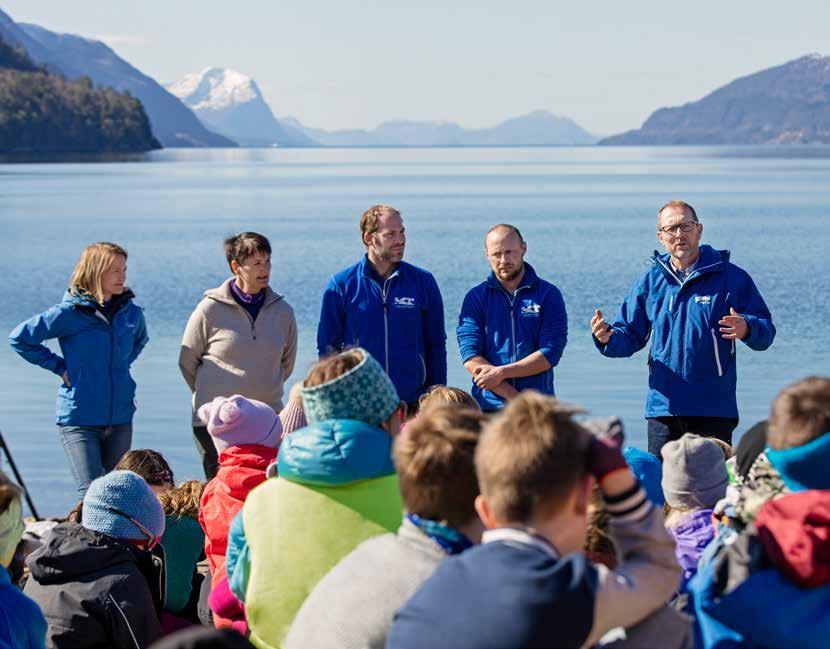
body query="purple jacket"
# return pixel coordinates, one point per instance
(692, 535)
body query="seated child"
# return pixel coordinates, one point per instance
(694, 480)
(353, 605)
(97, 583)
(443, 394)
(336, 488)
(21, 623)
(246, 434)
(529, 584)
(769, 586)
(183, 541)
(151, 466)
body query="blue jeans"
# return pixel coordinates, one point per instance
(92, 451)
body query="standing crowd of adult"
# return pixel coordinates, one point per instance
(692, 305)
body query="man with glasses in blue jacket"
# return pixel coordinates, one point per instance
(389, 307)
(693, 304)
(513, 327)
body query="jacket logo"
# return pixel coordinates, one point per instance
(407, 302)
(531, 308)
(703, 299)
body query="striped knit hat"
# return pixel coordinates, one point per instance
(364, 393)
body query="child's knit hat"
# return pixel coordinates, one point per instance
(236, 420)
(694, 472)
(114, 498)
(364, 393)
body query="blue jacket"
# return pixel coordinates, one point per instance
(505, 329)
(400, 322)
(500, 594)
(763, 609)
(22, 625)
(97, 355)
(692, 369)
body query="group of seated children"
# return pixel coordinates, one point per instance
(337, 524)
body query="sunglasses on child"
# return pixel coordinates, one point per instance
(153, 539)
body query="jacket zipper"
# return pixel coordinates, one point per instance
(717, 353)
(112, 353)
(384, 291)
(514, 346)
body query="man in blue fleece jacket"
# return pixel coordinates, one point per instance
(693, 304)
(389, 307)
(513, 327)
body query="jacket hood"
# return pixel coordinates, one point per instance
(795, 533)
(241, 468)
(803, 467)
(71, 551)
(708, 257)
(86, 302)
(528, 280)
(222, 293)
(336, 452)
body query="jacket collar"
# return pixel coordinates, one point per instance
(88, 305)
(515, 536)
(367, 271)
(709, 261)
(222, 293)
(530, 278)
(409, 533)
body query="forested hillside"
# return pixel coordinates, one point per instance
(44, 113)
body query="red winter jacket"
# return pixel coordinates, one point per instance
(795, 533)
(241, 468)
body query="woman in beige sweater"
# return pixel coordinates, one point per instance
(240, 339)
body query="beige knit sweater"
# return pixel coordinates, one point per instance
(224, 352)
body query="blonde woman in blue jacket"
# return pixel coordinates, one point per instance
(100, 333)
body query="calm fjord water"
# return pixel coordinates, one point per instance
(588, 215)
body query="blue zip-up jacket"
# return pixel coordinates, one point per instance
(96, 353)
(505, 329)
(399, 321)
(692, 368)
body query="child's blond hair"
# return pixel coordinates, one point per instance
(183, 500)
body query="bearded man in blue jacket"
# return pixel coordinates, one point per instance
(693, 304)
(513, 327)
(389, 307)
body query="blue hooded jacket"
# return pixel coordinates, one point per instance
(692, 369)
(505, 329)
(96, 353)
(22, 625)
(399, 321)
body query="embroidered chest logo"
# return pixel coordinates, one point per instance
(530, 308)
(703, 299)
(405, 302)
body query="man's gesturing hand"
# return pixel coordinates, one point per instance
(733, 326)
(488, 377)
(602, 330)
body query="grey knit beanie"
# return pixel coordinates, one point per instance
(694, 472)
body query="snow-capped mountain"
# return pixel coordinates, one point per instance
(232, 104)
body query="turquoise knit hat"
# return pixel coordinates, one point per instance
(364, 393)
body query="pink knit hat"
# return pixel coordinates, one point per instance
(236, 420)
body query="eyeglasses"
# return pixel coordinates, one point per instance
(153, 540)
(685, 228)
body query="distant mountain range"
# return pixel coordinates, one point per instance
(74, 57)
(231, 103)
(539, 128)
(787, 104)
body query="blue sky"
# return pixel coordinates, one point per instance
(349, 64)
